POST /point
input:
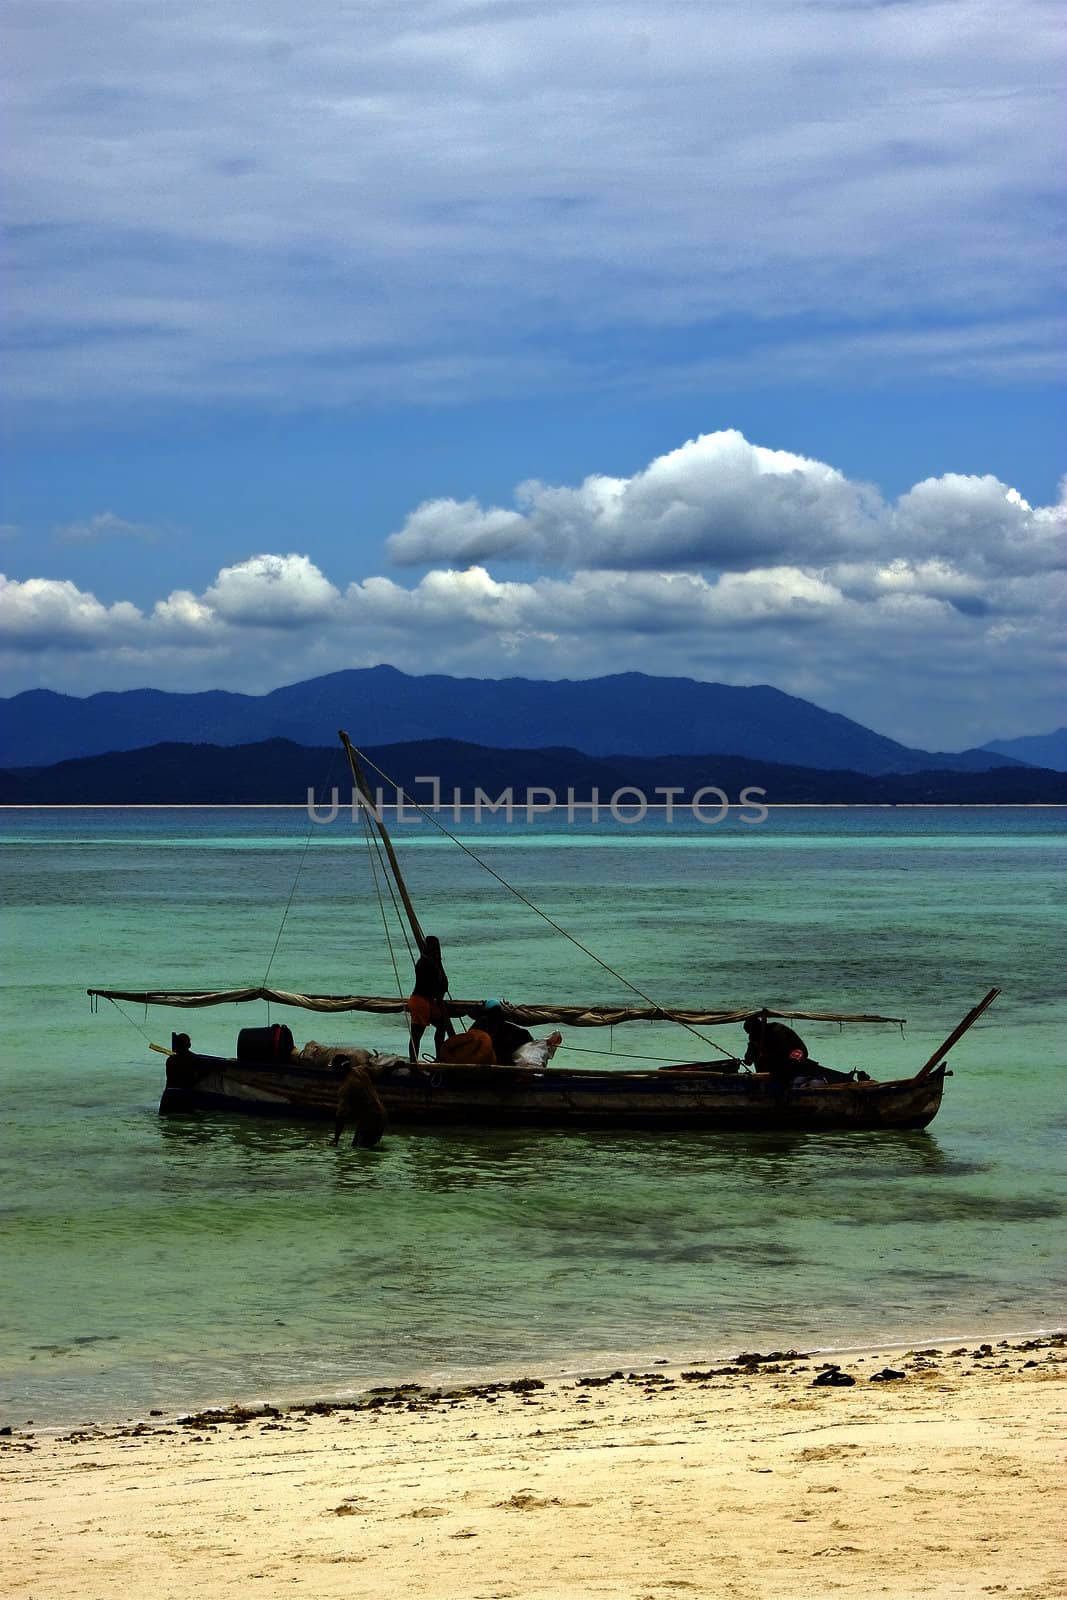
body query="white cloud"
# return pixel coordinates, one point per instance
(341, 201)
(272, 591)
(269, 593)
(183, 612)
(985, 522)
(105, 525)
(936, 579)
(720, 503)
(54, 614)
(717, 501)
(459, 530)
(590, 604)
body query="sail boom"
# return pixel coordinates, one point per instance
(573, 1016)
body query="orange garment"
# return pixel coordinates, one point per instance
(474, 1048)
(423, 1011)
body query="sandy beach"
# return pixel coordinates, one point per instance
(747, 1480)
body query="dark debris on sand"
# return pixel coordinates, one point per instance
(414, 1397)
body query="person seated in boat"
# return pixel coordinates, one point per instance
(357, 1102)
(776, 1049)
(507, 1036)
(426, 1001)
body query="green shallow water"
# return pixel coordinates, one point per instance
(151, 1262)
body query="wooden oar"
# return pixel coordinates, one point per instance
(956, 1034)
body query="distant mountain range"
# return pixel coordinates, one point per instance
(278, 772)
(629, 714)
(1037, 750)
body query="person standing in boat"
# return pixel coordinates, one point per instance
(426, 1001)
(774, 1048)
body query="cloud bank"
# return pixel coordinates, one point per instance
(720, 502)
(451, 199)
(720, 560)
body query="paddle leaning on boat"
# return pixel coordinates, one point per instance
(512, 1085)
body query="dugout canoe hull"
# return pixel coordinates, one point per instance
(514, 1097)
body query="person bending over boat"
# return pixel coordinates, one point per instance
(774, 1048)
(358, 1102)
(507, 1036)
(489, 1041)
(426, 1000)
(476, 1048)
(473, 1048)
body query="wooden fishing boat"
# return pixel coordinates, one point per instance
(695, 1094)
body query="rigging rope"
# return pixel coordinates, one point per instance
(130, 1020)
(372, 849)
(296, 877)
(620, 1055)
(407, 800)
(413, 954)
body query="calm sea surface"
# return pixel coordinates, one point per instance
(163, 1262)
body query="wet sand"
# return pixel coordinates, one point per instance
(744, 1481)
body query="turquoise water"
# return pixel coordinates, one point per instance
(150, 1262)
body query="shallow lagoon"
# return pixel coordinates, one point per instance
(162, 1262)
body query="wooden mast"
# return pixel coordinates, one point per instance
(360, 781)
(957, 1033)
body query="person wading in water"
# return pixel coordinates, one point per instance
(358, 1102)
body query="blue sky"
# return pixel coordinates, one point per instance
(696, 337)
